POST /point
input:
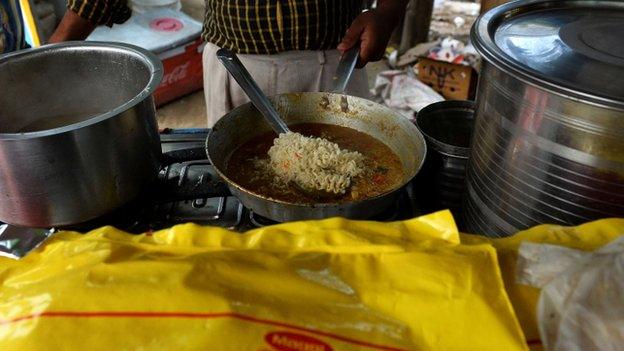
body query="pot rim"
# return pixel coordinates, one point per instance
(482, 37)
(152, 62)
(446, 149)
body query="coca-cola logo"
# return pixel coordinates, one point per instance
(176, 75)
(284, 341)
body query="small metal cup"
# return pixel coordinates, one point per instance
(447, 127)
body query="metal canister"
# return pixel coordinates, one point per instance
(447, 127)
(548, 145)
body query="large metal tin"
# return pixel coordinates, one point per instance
(548, 145)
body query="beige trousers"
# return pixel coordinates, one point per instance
(288, 72)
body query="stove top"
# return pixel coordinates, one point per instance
(189, 190)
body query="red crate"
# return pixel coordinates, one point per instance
(183, 72)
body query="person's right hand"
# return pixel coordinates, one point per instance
(373, 30)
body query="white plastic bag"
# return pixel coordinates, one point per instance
(404, 93)
(581, 306)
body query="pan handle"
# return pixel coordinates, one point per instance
(345, 69)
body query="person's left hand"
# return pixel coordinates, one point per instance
(373, 30)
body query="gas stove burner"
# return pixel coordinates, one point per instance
(189, 189)
(129, 217)
(225, 212)
(390, 214)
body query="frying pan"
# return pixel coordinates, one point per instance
(245, 122)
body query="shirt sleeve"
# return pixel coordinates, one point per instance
(101, 12)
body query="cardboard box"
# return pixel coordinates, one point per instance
(453, 81)
(183, 72)
(490, 4)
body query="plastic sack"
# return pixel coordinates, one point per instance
(403, 92)
(320, 285)
(449, 50)
(524, 298)
(580, 306)
(16, 242)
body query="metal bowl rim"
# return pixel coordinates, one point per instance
(461, 152)
(152, 62)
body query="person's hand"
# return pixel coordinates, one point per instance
(372, 29)
(72, 27)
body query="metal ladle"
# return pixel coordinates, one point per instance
(235, 67)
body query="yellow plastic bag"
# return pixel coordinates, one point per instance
(318, 285)
(589, 237)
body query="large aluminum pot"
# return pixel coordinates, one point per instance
(387, 126)
(549, 136)
(78, 135)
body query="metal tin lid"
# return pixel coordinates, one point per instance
(570, 47)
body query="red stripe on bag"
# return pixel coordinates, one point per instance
(199, 315)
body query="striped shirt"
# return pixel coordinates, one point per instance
(253, 26)
(267, 27)
(101, 12)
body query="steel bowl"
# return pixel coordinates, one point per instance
(447, 127)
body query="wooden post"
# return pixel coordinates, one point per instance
(416, 24)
